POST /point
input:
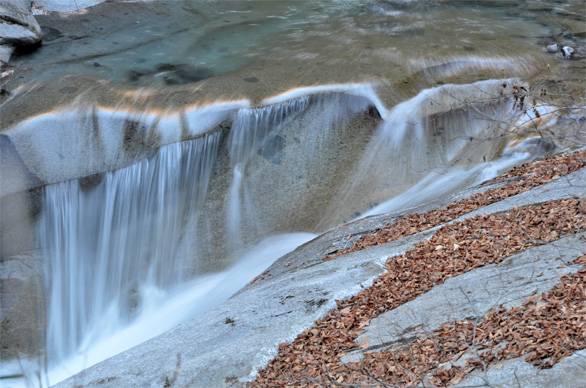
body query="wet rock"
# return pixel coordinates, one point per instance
(554, 48)
(573, 52)
(567, 51)
(17, 26)
(21, 308)
(537, 145)
(272, 151)
(89, 182)
(51, 34)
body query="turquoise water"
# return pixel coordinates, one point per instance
(167, 43)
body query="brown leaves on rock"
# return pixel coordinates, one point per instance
(312, 360)
(530, 175)
(545, 329)
(550, 168)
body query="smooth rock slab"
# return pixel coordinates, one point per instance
(568, 373)
(225, 346)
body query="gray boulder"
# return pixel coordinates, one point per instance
(18, 27)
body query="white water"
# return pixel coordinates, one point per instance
(411, 118)
(439, 184)
(120, 251)
(252, 128)
(440, 141)
(450, 145)
(164, 310)
(104, 244)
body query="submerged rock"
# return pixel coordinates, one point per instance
(172, 74)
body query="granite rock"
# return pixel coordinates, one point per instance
(18, 27)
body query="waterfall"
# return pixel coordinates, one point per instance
(106, 243)
(442, 137)
(453, 114)
(182, 230)
(121, 243)
(252, 129)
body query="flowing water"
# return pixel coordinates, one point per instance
(170, 151)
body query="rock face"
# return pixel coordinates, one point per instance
(18, 28)
(65, 5)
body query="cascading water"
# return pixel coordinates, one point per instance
(445, 152)
(126, 249)
(252, 129)
(120, 246)
(451, 130)
(105, 244)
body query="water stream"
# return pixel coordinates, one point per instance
(177, 156)
(123, 248)
(105, 243)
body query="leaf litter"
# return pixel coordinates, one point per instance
(545, 329)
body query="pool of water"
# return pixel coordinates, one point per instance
(280, 44)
